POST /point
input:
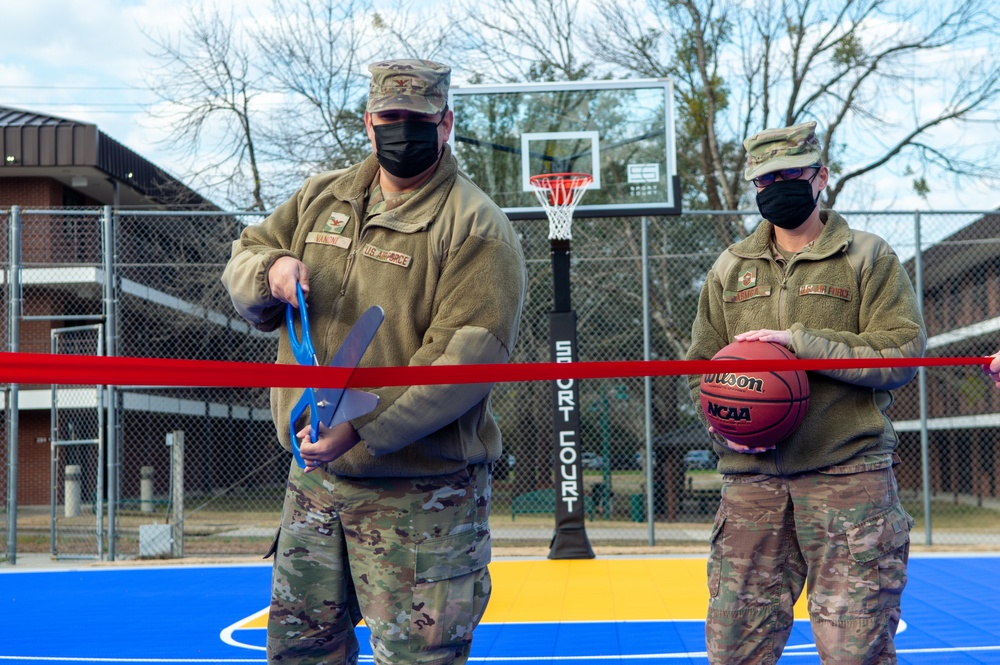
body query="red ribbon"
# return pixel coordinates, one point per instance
(41, 368)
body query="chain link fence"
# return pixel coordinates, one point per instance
(7, 527)
(220, 494)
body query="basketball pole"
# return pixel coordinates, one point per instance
(570, 538)
(558, 194)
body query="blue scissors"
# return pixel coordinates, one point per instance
(330, 406)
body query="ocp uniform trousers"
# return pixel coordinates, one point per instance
(841, 532)
(409, 555)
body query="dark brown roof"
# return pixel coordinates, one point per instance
(34, 144)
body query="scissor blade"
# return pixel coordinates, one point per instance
(354, 404)
(357, 340)
(349, 355)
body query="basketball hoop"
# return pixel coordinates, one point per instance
(559, 193)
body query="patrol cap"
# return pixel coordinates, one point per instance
(786, 148)
(420, 86)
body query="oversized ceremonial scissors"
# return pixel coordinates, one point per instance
(330, 406)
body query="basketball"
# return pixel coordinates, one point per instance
(755, 409)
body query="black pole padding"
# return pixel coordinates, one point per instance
(560, 276)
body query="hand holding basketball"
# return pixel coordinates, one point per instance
(782, 337)
(739, 447)
(755, 409)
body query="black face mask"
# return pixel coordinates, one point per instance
(787, 203)
(406, 148)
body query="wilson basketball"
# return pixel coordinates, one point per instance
(755, 409)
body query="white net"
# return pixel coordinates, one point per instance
(559, 194)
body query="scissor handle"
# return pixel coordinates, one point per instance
(307, 401)
(302, 346)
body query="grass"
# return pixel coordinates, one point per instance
(209, 520)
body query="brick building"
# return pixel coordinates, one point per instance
(50, 163)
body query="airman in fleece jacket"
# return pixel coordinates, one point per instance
(447, 268)
(845, 297)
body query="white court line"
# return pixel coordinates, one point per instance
(226, 635)
(485, 659)
(81, 659)
(791, 651)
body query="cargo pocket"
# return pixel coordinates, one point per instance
(451, 588)
(715, 557)
(880, 534)
(880, 544)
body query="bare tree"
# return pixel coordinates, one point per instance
(530, 40)
(411, 29)
(256, 105)
(206, 89)
(315, 66)
(850, 65)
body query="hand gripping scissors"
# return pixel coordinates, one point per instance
(330, 406)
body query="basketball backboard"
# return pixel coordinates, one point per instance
(619, 132)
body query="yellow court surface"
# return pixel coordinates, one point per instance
(603, 589)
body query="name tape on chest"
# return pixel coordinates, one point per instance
(387, 256)
(321, 238)
(825, 290)
(760, 291)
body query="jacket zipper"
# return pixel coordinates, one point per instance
(354, 246)
(782, 293)
(782, 297)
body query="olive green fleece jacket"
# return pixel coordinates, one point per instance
(847, 296)
(447, 268)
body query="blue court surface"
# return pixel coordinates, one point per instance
(642, 610)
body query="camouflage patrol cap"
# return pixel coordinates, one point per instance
(408, 85)
(786, 148)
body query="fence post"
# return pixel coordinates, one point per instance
(14, 345)
(71, 508)
(177, 491)
(111, 350)
(647, 382)
(146, 488)
(925, 467)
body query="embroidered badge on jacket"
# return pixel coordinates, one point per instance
(336, 223)
(747, 288)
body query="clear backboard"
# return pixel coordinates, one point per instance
(619, 132)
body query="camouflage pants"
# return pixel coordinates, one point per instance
(407, 555)
(843, 534)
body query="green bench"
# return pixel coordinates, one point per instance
(542, 502)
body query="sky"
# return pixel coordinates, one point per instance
(87, 61)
